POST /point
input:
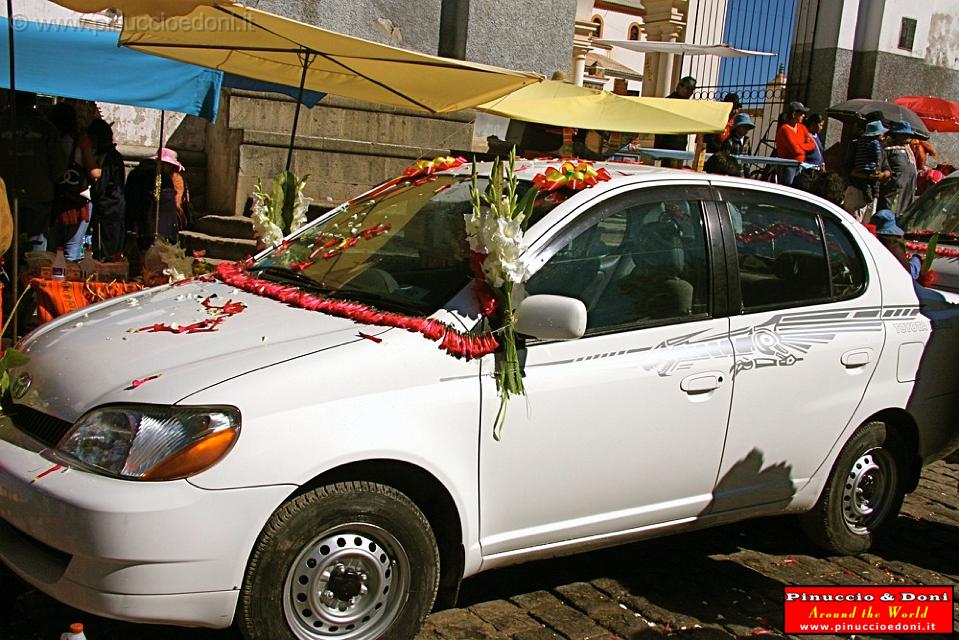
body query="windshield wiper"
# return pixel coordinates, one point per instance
(288, 276)
(378, 300)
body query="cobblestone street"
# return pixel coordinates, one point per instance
(721, 583)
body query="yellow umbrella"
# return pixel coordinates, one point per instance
(257, 44)
(137, 7)
(565, 105)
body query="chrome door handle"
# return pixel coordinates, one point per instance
(702, 382)
(856, 358)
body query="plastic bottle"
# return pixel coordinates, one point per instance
(59, 269)
(87, 267)
(75, 633)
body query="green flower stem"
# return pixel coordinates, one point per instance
(509, 377)
(13, 312)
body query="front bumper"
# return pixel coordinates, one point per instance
(161, 552)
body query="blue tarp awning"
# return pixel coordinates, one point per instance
(310, 98)
(88, 64)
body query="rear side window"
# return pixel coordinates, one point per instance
(846, 269)
(790, 253)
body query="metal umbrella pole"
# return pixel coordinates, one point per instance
(13, 186)
(305, 56)
(158, 183)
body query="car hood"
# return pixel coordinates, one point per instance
(102, 354)
(947, 272)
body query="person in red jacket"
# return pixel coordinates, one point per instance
(793, 140)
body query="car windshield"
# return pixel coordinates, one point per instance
(936, 211)
(403, 249)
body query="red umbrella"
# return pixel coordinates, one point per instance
(938, 114)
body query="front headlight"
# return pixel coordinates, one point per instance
(150, 442)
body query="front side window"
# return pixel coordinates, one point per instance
(640, 261)
(790, 253)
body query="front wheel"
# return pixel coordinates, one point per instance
(864, 491)
(348, 561)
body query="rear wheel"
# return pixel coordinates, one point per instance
(864, 492)
(348, 561)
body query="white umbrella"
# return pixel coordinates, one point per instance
(720, 50)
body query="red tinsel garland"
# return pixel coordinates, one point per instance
(454, 342)
(928, 233)
(942, 252)
(777, 230)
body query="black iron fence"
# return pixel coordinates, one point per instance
(763, 102)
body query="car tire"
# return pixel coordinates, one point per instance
(863, 493)
(346, 561)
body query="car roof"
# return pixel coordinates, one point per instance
(624, 173)
(528, 169)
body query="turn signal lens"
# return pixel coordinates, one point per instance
(193, 459)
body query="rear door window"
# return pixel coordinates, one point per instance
(790, 253)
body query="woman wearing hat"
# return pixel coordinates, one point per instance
(793, 140)
(141, 201)
(890, 234)
(899, 191)
(737, 144)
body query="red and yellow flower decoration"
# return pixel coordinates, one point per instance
(573, 176)
(429, 167)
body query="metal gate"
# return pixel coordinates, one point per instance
(766, 84)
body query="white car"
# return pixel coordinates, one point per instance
(698, 350)
(937, 211)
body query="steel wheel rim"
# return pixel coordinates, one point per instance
(348, 583)
(869, 490)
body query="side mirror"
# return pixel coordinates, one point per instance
(547, 317)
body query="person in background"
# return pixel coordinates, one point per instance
(899, 191)
(723, 164)
(891, 235)
(830, 186)
(39, 163)
(737, 143)
(869, 167)
(922, 150)
(714, 141)
(793, 140)
(109, 204)
(814, 123)
(141, 217)
(684, 91)
(72, 208)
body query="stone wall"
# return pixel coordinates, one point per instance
(410, 25)
(530, 36)
(894, 75)
(344, 145)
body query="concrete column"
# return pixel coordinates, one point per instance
(584, 31)
(665, 21)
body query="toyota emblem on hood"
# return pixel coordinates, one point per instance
(21, 385)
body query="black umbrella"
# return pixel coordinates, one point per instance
(865, 110)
